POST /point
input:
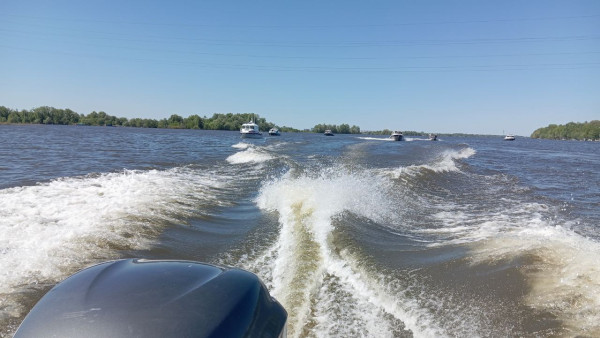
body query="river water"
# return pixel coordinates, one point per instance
(355, 235)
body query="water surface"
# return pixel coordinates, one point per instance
(355, 235)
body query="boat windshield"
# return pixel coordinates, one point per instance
(249, 127)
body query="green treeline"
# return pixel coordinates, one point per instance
(51, 115)
(404, 132)
(341, 129)
(570, 131)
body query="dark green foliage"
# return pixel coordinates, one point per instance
(234, 121)
(570, 131)
(341, 129)
(193, 122)
(50, 115)
(39, 115)
(285, 129)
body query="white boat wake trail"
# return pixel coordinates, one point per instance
(56, 228)
(325, 289)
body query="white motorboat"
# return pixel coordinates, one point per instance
(274, 132)
(509, 137)
(328, 132)
(397, 136)
(250, 130)
(432, 137)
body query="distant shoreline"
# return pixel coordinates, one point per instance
(375, 133)
(586, 131)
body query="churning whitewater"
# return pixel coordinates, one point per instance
(308, 270)
(352, 235)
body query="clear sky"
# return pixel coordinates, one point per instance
(483, 67)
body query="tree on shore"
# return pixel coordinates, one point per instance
(570, 131)
(51, 115)
(341, 129)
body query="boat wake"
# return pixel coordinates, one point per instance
(561, 267)
(317, 280)
(250, 154)
(241, 145)
(330, 289)
(54, 229)
(375, 138)
(445, 162)
(389, 139)
(353, 242)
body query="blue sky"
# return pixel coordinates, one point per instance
(436, 66)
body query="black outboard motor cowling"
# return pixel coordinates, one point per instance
(149, 298)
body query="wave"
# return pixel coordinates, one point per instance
(53, 229)
(375, 138)
(304, 267)
(563, 272)
(251, 154)
(317, 281)
(445, 162)
(241, 145)
(388, 139)
(559, 265)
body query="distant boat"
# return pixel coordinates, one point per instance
(397, 136)
(432, 137)
(250, 130)
(328, 133)
(509, 137)
(274, 132)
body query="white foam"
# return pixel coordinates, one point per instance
(249, 155)
(411, 139)
(445, 162)
(389, 139)
(53, 229)
(561, 266)
(241, 145)
(375, 138)
(462, 226)
(564, 276)
(305, 262)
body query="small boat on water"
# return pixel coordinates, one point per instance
(250, 130)
(274, 132)
(432, 137)
(328, 133)
(397, 136)
(509, 137)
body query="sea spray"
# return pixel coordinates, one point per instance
(53, 229)
(308, 268)
(444, 162)
(561, 268)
